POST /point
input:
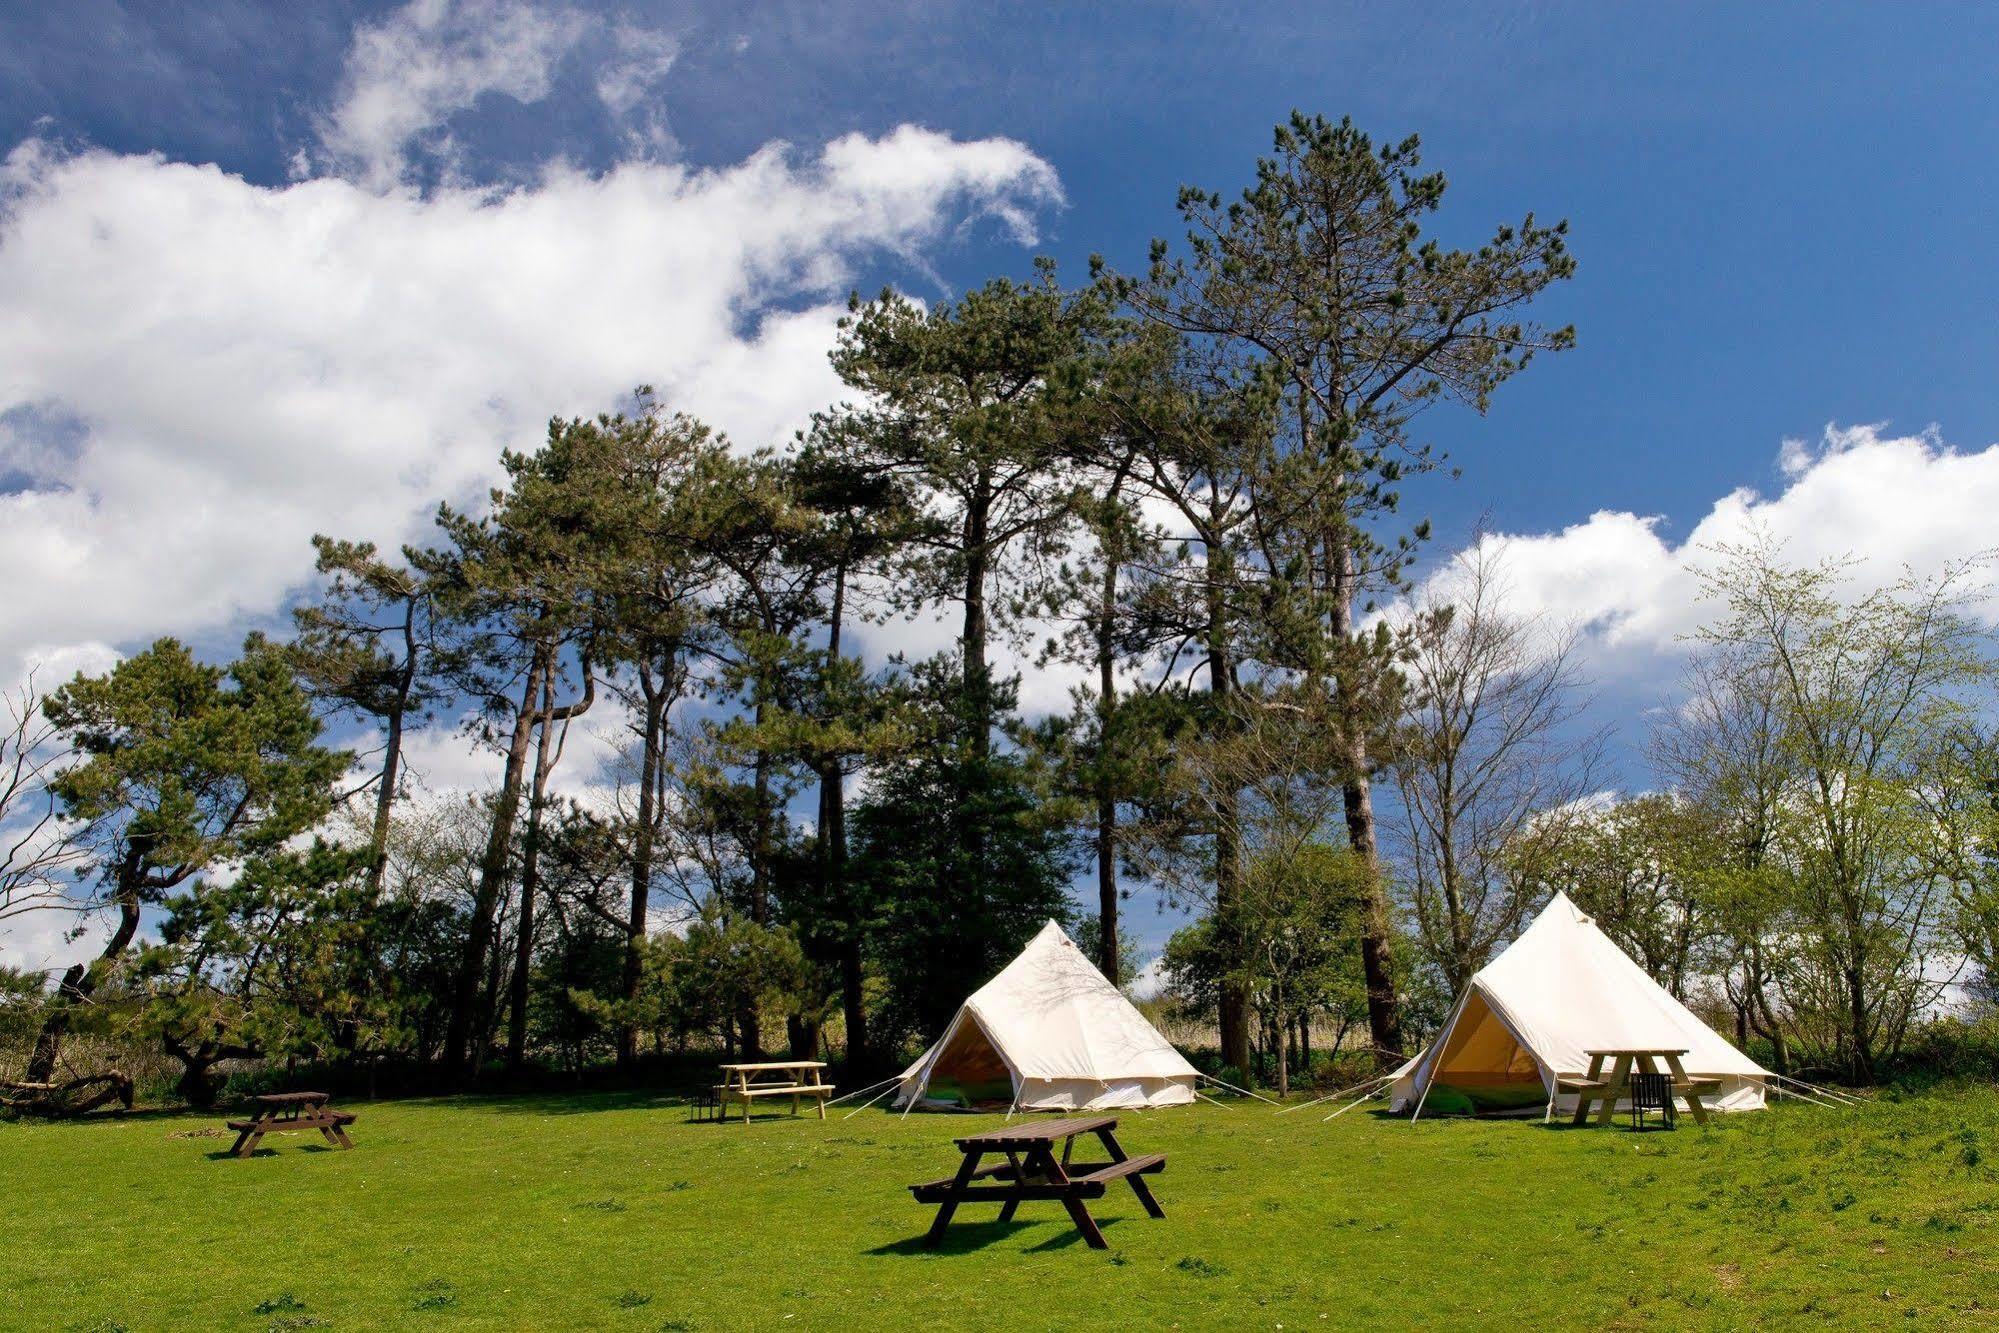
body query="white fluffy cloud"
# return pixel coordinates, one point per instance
(198, 372)
(1891, 503)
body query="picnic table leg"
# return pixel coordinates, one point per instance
(1693, 1094)
(1620, 1078)
(1137, 1182)
(1042, 1160)
(1582, 1098)
(247, 1141)
(1086, 1224)
(820, 1100)
(966, 1169)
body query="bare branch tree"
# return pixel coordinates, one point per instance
(40, 851)
(1491, 752)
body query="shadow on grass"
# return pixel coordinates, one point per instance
(965, 1237)
(262, 1150)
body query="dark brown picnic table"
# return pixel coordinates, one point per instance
(1032, 1171)
(281, 1111)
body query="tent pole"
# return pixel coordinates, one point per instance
(1232, 1087)
(1427, 1085)
(1848, 1098)
(1802, 1097)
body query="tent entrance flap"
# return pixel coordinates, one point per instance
(1482, 1053)
(970, 1067)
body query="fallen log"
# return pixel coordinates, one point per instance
(78, 1096)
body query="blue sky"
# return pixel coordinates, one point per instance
(266, 270)
(1783, 216)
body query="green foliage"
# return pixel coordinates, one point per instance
(279, 962)
(186, 764)
(946, 913)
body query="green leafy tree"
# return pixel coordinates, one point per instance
(184, 766)
(275, 963)
(660, 579)
(947, 914)
(1199, 432)
(964, 403)
(1320, 274)
(523, 588)
(1860, 686)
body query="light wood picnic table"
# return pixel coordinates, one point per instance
(1608, 1091)
(796, 1079)
(1031, 1171)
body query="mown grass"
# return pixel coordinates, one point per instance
(611, 1211)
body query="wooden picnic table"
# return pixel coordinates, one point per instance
(796, 1079)
(1031, 1171)
(279, 1112)
(1609, 1090)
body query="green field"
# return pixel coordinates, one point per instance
(612, 1211)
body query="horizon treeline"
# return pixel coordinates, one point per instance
(1186, 484)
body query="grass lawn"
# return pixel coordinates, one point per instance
(611, 1211)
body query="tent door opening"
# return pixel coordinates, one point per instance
(970, 1071)
(1483, 1067)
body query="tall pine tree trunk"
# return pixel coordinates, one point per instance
(652, 743)
(1384, 1012)
(977, 682)
(1233, 1003)
(517, 997)
(392, 757)
(833, 860)
(465, 1013)
(1107, 892)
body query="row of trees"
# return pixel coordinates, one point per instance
(1193, 471)
(1183, 483)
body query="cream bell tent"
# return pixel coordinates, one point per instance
(1559, 991)
(1049, 1033)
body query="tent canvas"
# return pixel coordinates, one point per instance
(1055, 1032)
(1559, 991)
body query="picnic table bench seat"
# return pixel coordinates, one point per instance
(1149, 1165)
(1568, 1084)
